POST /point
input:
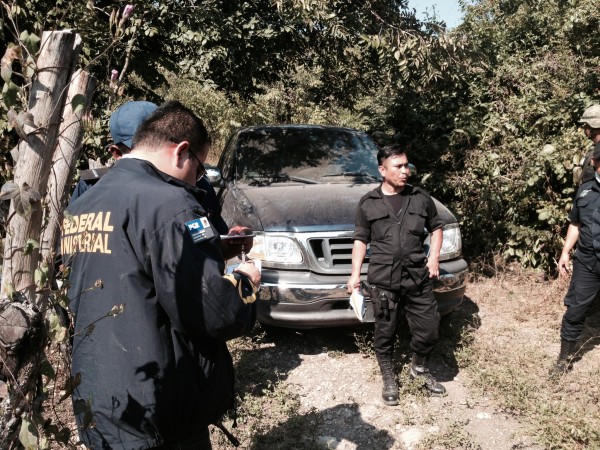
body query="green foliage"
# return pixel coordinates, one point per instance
(477, 105)
(503, 143)
(294, 101)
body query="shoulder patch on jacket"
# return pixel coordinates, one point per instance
(199, 229)
(584, 193)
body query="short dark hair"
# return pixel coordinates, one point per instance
(172, 122)
(390, 150)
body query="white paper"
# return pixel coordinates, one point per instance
(258, 264)
(357, 302)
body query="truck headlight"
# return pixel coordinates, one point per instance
(279, 249)
(451, 242)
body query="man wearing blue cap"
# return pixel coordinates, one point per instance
(123, 123)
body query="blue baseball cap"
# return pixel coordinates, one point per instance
(126, 120)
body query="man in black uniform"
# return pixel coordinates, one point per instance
(584, 230)
(152, 309)
(393, 218)
(590, 121)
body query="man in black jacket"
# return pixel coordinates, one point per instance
(152, 309)
(393, 218)
(123, 123)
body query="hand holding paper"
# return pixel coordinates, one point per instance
(357, 301)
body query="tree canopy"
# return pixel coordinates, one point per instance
(488, 109)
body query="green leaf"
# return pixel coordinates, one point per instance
(10, 291)
(30, 246)
(56, 330)
(40, 278)
(10, 93)
(544, 215)
(62, 299)
(83, 409)
(9, 190)
(30, 41)
(70, 386)
(29, 69)
(78, 103)
(26, 201)
(63, 436)
(47, 370)
(29, 436)
(548, 150)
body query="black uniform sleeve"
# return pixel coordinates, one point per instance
(191, 287)
(434, 221)
(574, 214)
(362, 227)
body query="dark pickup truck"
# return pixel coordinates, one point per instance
(297, 187)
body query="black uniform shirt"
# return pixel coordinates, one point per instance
(586, 214)
(396, 240)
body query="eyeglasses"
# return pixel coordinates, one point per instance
(201, 170)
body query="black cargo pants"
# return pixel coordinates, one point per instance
(421, 314)
(585, 284)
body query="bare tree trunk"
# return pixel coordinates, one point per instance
(46, 103)
(65, 159)
(22, 333)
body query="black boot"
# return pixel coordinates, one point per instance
(390, 387)
(419, 370)
(564, 362)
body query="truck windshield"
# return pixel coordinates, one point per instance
(305, 155)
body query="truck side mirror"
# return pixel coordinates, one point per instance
(413, 169)
(214, 175)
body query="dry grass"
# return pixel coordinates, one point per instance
(512, 352)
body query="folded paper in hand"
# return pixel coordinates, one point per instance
(357, 301)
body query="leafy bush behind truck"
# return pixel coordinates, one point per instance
(297, 187)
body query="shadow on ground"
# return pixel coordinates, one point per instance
(299, 431)
(270, 356)
(456, 330)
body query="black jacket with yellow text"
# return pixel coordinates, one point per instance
(159, 371)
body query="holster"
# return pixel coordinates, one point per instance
(383, 301)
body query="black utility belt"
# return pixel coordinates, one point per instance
(379, 293)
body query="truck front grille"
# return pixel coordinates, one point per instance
(332, 252)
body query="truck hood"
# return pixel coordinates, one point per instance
(306, 207)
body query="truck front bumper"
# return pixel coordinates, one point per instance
(295, 300)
